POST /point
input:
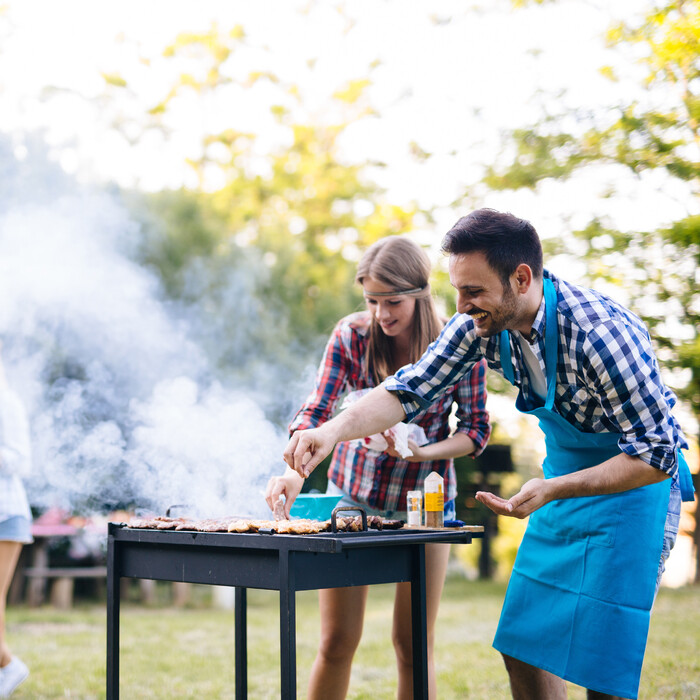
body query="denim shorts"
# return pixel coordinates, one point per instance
(673, 518)
(16, 529)
(346, 501)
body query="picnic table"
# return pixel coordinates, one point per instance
(37, 579)
(39, 573)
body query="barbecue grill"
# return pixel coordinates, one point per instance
(286, 563)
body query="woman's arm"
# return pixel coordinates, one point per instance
(457, 445)
(330, 382)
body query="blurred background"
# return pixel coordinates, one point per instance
(185, 189)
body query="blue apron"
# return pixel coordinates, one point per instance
(583, 583)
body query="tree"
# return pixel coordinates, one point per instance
(659, 134)
(292, 197)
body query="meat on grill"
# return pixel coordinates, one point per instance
(374, 522)
(159, 522)
(293, 527)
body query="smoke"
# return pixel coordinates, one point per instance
(124, 403)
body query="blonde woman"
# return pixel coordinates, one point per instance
(399, 323)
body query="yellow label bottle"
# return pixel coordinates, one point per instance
(433, 487)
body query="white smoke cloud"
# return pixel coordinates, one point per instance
(232, 442)
(123, 402)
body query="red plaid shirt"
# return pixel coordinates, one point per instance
(376, 478)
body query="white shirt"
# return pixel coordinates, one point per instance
(534, 369)
(15, 456)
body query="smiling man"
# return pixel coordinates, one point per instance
(605, 516)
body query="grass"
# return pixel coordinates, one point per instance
(187, 652)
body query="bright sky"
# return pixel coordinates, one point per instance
(451, 76)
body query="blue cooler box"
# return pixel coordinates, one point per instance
(314, 506)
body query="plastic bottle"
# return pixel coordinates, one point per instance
(434, 500)
(414, 508)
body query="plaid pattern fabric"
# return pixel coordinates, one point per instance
(608, 378)
(375, 478)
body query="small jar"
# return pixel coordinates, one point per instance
(414, 508)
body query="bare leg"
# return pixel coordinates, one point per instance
(342, 616)
(436, 558)
(532, 683)
(9, 554)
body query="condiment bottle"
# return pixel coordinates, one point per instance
(414, 508)
(434, 500)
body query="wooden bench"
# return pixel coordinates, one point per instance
(33, 569)
(61, 595)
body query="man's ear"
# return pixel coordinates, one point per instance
(522, 278)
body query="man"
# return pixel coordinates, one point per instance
(605, 516)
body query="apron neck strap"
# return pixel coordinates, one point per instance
(551, 340)
(506, 360)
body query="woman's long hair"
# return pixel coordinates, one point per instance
(400, 264)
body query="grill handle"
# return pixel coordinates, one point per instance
(340, 509)
(173, 507)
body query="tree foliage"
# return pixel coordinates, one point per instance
(293, 199)
(657, 133)
(660, 132)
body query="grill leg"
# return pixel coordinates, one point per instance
(288, 650)
(241, 644)
(113, 594)
(419, 624)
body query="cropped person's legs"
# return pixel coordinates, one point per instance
(436, 558)
(595, 695)
(342, 616)
(531, 683)
(9, 554)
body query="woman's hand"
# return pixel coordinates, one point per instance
(418, 452)
(457, 445)
(289, 485)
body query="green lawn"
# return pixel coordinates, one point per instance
(187, 652)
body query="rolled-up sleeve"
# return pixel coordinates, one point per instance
(330, 382)
(472, 416)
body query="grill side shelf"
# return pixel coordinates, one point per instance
(394, 537)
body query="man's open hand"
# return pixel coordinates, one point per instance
(533, 495)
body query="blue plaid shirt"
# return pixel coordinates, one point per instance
(608, 378)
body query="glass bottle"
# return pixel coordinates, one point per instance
(433, 487)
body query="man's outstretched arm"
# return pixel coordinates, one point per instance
(619, 473)
(373, 413)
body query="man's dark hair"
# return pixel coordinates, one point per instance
(505, 240)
